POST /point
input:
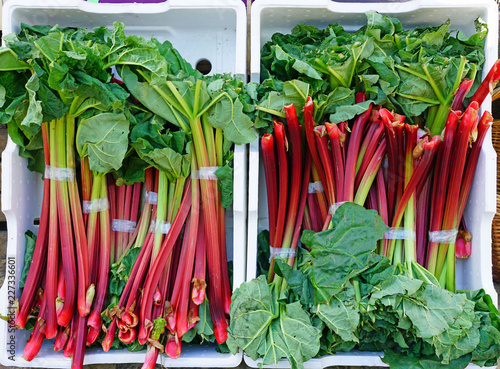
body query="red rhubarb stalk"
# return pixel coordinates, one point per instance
(104, 264)
(35, 341)
(199, 274)
(336, 143)
(65, 228)
(367, 151)
(450, 218)
(40, 252)
(473, 157)
(370, 173)
(53, 249)
(382, 205)
(462, 91)
(271, 172)
(422, 220)
(302, 204)
(488, 84)
(80, 342)
(309, 125)
(281, 148)
(353, 149)
(297, 175)
(326, 159)
(155, 272)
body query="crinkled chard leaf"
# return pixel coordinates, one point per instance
(341, 314)
(343, 252)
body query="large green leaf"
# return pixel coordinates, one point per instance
(299, 334)
(252, 311)
(228, 115)
(31, 123)
(104, 138)
(9, 61)
(341, 315)
(343, 252)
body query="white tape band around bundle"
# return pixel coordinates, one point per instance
(334, 207)
(315, 187)
(278, 252)
(152, 197)
(399, 233)
(446, 236)
(96, 206)
(160, 227)
(60, 174)
(122, 225)
(205, 173)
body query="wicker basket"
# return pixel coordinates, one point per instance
(495, 228)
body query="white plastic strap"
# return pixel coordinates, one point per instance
(122, 225)
(160, 227)
(400, 234)
(60, 174)
(315, 187)
(280, 252)
(446, 236)
(205, 173)
(152, 197)
(96, 206)
(334, 207)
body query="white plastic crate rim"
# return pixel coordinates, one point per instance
(271, 16)
(212, 31)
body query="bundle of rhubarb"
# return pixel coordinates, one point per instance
(103, 235)
(391, 123)
(364, 147)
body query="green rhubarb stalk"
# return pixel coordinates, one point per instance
(213, 248)
(93, 227)
(65, 229)
(419, 175)
(221, 217)
(85, 291)
(161, 212)
(409, 216)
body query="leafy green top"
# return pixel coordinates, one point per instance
(342, 296)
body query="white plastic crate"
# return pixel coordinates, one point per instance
(215, 31)
(271, 16)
